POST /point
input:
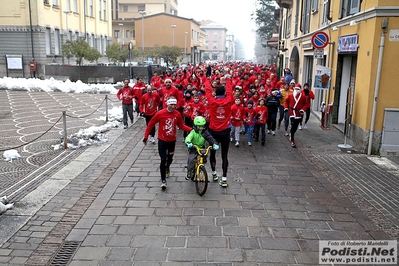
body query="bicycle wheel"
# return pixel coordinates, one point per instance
(201, 182)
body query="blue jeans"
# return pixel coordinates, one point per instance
(249, 130)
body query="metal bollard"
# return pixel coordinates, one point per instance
(106, 108)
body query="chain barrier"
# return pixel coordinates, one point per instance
(106, 99)
(84, 116)
(27, 143)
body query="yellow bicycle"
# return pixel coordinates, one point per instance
(200, 176)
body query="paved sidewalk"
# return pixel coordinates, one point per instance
(280, 202)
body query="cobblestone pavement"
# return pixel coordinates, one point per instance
(279, 203)
(26, 116)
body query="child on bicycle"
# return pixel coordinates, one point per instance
(197, 136)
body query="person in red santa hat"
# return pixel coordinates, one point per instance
(296, 105)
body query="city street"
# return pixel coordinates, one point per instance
(103, 205)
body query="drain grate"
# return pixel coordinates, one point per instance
(64, 253)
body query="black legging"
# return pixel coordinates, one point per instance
(294, 126)
(166, 151)
(223, 138)
(147, 120)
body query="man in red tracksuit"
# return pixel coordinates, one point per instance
(149, 106)
(296, 105)
(168, 91)
(138, 90)
(220, 123)
(126, 95)
(168, 118)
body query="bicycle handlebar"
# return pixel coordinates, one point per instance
(202, 151)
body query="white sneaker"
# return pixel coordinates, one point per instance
(231, 139)
(273, 133)
(286, 133)
(152, 140)
(249, 144)
(300, 127)
(237, 144)
(305, 126)
(268, 131)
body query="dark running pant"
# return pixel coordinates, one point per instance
(271, 121)
(147, 120)
(127, 109)
(261, 128)
(294, 126)
(166, 151)
(307, 111)
(223, 138)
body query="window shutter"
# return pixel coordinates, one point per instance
(354, 6)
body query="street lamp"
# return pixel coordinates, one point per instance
(173, 34)
(66, 12)
(142, 12)
(185, 46)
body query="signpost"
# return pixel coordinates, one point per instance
(318, 53)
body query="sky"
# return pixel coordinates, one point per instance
(234, 15)
(85, 136)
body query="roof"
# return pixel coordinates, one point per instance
(170, 15)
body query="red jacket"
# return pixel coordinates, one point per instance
(308, 97)
(138, 91)
(197, 109)
(167, 125)
(186, 104)
(149, 103)
(295, 105)
(261, 115)
(166, 93)
(249, 116)
(126, 94)
(219, 107)
(237, 115)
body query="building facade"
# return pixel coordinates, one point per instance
(216, 40)
(170, 30)
(360, 58)
(32, 32)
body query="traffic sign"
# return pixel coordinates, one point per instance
(320, 40)
(318, 53)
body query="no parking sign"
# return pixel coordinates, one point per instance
(320, 40)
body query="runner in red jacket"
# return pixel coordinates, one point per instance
(168, 118)
(168, 91)
(149, 106)
(138, 89)
(296, 105)
(220, 124)
(126, 95)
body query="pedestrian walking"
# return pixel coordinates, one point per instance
(168, 118)
(126, 95)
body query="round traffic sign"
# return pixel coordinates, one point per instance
(320, 40)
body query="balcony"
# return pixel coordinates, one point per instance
(284, 3)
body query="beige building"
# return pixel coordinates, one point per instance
(216, 41)
(165, 29)
(35, 31)
(360, 56)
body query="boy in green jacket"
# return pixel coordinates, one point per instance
(197, 136)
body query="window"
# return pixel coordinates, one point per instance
(315, 5)
(207, 44)
(55, 2)
(91, 8)
(68, 5)
(99, 9)
(325, 15)
(101, 48)
(57, 41)
(75, 6)
(116, 33)
(76, 35)
(48, 41)
(69, 36)
(215, 45)
(306, 16)
(297, 4)
(127, 33)
(349, 7)
(92, 41)
(104, 9)
(215, 33)
(140, 8)
(125, 8)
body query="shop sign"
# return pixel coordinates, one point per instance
(348, 43)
